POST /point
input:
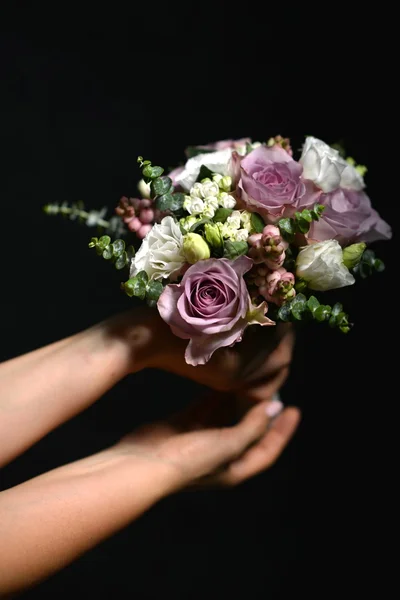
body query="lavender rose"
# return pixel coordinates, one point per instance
(271, 183)
(349, 217)
(211, 307)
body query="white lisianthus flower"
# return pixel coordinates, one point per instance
(240, 235)
(217, 162)
(322, 164)
(226, 200)
(161, 252)
(351, 178)
(193, 205)
(321, 266)
(233, 221)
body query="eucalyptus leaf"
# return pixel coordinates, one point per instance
(118, 247)
(108, 253)
(152, 172)
(312, 303)
(154, 290)
(336, 309)
(121, 261)
(285, 312)
(160, 186)
(104, 241)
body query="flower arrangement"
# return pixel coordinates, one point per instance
(243, 234)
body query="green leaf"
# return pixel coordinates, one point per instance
(302, 225)
(121, 261)
(142, 276)
(130, 251)
(118, 247)
(108, 253)
(170, 202)
(160, 186)
(154, 290)
(368, 257)
(221, 215)
(379, 265)
(285, 312)
(257, 222)
(234, 249)
(198, 224)
(104, 241)
(312, 303)
(336, 309)
(152, 172)
(204, 172)
(287, 227)
(93, 242)
(322, 313)
(306, 215)
(135, 287)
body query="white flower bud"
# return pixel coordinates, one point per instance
(217, 178)
(226, 200)
(188, 222)
(210, 188)
(245, 219)
(144, 189)
(225, 183)
(240, 235)
(197, 190)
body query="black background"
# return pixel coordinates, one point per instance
(81, 97)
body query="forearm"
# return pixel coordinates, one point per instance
(44, 388)
(47, 522)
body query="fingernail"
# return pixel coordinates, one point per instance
(273, 408)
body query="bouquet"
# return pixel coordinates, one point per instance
(242, 234)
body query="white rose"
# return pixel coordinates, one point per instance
(226, 200)
(233, 221)
(161, 251)
(194, 206)
(351, 179)
(322, 164)
(217, 162)
(321, 266)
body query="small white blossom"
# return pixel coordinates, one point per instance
(210, 188)
(193, 205)
(226, 200)
(188, 222)
(240, 235)
(245, 219)
(225, 183)
(321, 266)
(196, 191)
(217, 162)
(144, 189)
(233, 221)
(210, 206)
(161, 252)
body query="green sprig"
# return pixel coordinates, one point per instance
(91, 218)
(141, 287)
(301, 308)
(300, 223)
(113, 251)
(368, 265)
(161, 188)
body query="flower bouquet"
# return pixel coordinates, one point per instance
(242, 234)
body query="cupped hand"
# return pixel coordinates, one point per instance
(208, 445)
(263, 356)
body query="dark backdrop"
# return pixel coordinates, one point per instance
(79, 102)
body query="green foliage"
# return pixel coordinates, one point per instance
(257, 223)
(301, 308)
(204, 173)
(161, 188)
(221, 215)
(140, 287)
(91, 218)
(234, 249)
(368, 265)
(300, 223)
(115, 252)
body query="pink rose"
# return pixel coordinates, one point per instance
(211, 307)
(349, 217)
(271, 183)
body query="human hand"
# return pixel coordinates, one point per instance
(206, 444)
(263, 357)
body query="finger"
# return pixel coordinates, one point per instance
(263, 454)
(235, 440)
(211, 410)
